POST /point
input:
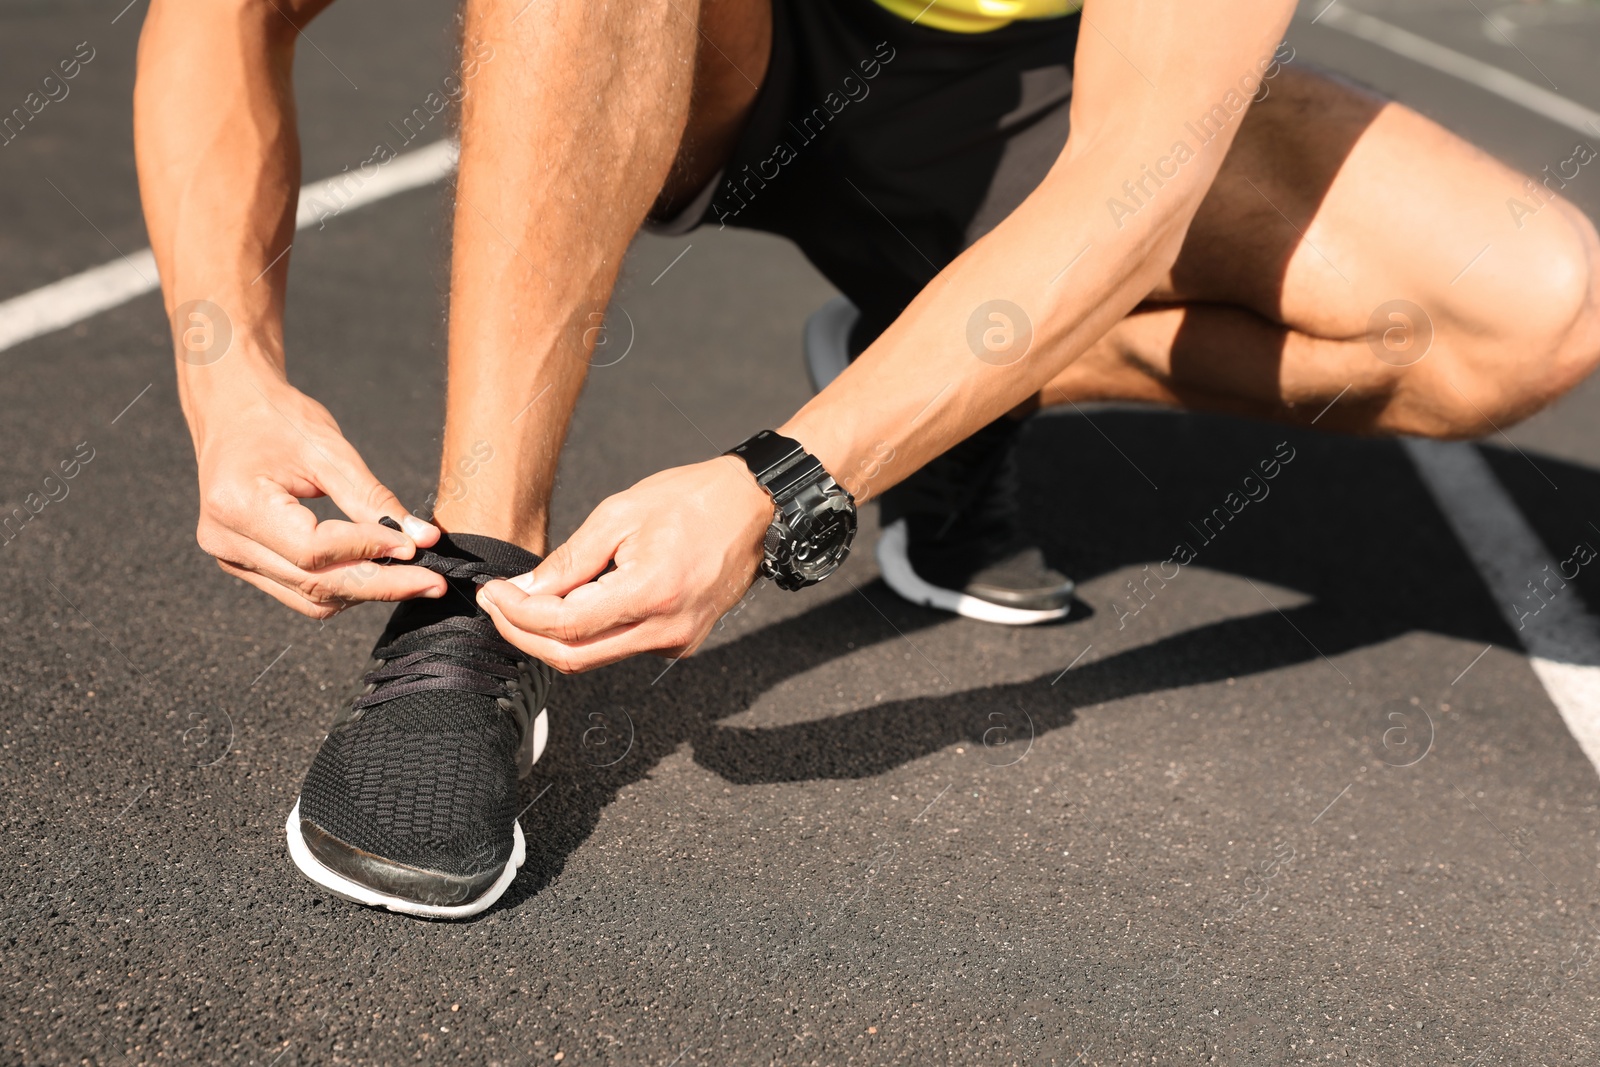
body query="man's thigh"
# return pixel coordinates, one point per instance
(1333, 203)
(729, 67)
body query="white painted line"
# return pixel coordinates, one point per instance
(101, 288)
(412, 170)
(76, 298)
(1486, 76)
(1562, 639)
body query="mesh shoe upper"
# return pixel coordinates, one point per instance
(420, 767)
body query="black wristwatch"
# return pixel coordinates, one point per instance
(814, 517)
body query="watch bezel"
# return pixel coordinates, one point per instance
(838, 512)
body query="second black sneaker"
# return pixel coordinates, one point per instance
(953, 538)
(952, 533)
(411, 803)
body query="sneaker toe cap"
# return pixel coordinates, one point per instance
(1046, 597)
(1021, 580)
(412, 882)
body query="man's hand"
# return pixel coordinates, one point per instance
(263, 450)
(686, 544)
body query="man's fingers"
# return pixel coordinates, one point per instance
(341, 583)
(588, 612)
(334, 541)
(372, 581)
(359, 494)
(281, 593)
(286, 528)
(577, 562)
(618, 644)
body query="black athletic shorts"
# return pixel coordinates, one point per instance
(884, 149)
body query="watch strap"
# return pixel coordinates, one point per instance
(781, 465)
(769, 454)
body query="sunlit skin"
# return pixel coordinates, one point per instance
(1247, 284)
(219, 173)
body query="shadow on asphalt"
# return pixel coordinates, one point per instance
(1345, 523)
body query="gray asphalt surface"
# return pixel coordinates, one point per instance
(851, 831)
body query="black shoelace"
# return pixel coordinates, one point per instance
(462, 653)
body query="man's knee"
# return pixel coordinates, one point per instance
(1544, 340)
(1578, 353)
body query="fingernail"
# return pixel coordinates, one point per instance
(415, 527)
(524, 582)
(484, 599)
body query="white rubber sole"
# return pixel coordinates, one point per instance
(356, 893)
(895, 565)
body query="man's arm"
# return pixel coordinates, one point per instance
(1146, 73)
(1144, 69)
(219, 173)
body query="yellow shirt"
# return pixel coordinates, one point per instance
(977, 16)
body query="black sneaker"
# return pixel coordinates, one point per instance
(953, 539)
(952, 533)
(411, 803)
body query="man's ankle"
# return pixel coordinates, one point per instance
(530, 532)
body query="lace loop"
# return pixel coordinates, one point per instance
(473, 570)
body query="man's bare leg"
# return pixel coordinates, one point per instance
(583, 118)
(1331, 204)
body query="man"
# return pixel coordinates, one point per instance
(1025, 205)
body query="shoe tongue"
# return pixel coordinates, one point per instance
(507, 559)
(511, 560)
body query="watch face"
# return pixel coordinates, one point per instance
(823, 544)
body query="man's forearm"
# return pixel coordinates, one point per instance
(219, 172)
